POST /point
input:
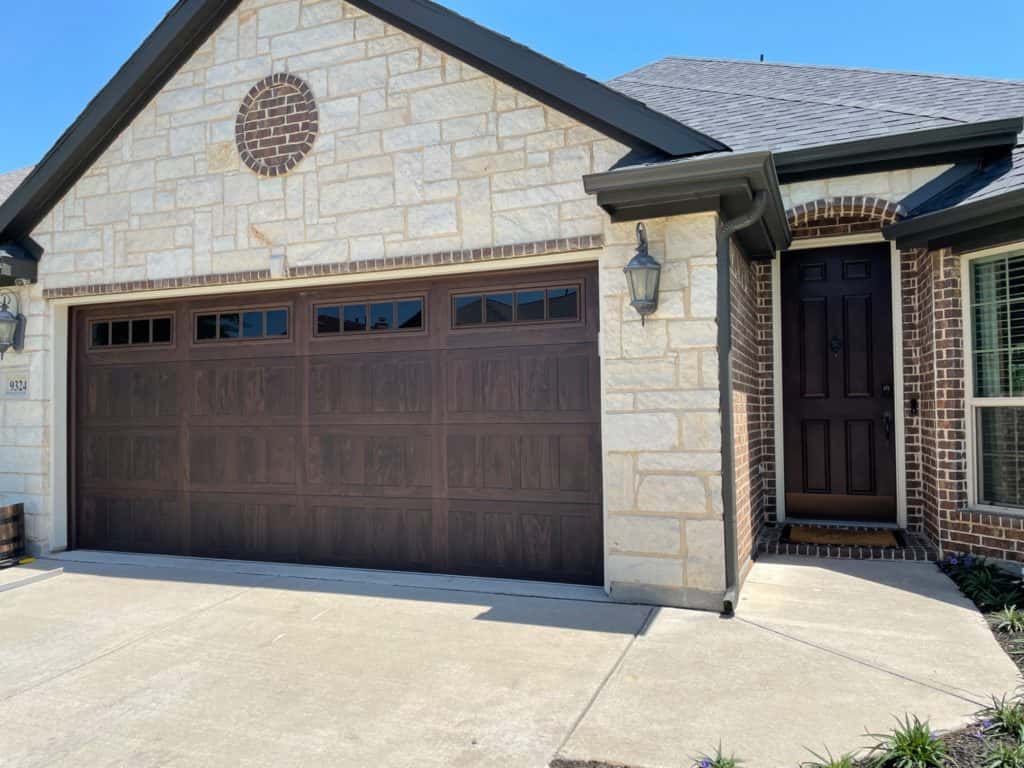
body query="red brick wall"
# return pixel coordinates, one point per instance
(751, 396)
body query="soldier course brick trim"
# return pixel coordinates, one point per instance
(518, 250)
(277, 124)
(844, 215)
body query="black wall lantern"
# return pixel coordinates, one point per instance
(643, 274)
(12, 324)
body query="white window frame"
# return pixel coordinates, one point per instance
(972, 403)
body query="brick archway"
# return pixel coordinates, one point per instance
(849, 214)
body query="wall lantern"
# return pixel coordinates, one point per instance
(12, 324)
(643, 274)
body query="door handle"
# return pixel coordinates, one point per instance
(887, 424)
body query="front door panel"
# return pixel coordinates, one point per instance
(838, 403)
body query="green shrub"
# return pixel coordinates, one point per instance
(828, 761)
(1004, 718)
(717, 760)
(985, 583)
(910, 745)
(1010, 619)
(1004, 756)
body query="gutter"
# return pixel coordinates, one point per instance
(950, 144)
(727, 229)
(958, 221)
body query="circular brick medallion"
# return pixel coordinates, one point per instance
(276, 125)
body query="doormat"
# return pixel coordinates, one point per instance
(842, 537)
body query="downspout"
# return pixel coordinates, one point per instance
(724, 256)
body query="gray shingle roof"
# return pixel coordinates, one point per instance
(9, 181)
(766, 106)
(752, 105)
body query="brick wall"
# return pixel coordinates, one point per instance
(753, 429)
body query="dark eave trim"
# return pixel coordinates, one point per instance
(592, 103)
(935, 145)
(1001, 217)
(727, 183)
(156, 61)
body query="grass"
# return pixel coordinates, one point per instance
(718, 760)
(988, 585)
(1005, 717)
(829, 761)
(1010, 620)
(1004, 756)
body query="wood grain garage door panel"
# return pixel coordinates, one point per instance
(435, 448)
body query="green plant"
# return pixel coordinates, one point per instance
(1004, 718)
(985, 583)
(1010, 619)
(718, 760)
(1004, 756)
(828, 761)
(910, 745)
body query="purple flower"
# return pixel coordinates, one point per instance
(933, 737)
(986, 724)
(705, 763)
(953, 560)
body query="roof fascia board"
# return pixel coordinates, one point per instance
(152, 65)
(592, 103)
(957, 221)
(730, 179)
(935, 145)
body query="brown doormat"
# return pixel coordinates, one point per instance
(841, 537)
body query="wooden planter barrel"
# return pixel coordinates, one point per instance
(12, 533)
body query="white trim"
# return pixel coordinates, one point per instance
(972, 403)
(899, 423)
(60, 363)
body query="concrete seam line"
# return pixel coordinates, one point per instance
(648, 619)
(33, 579)
(863, 663)
(122, 645)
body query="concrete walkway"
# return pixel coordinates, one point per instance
(169, 662)
(820, 652)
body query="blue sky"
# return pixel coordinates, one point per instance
(57, 55)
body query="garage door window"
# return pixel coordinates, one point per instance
(369, 317)
(242, 325)
(130, 332)
(527, 306)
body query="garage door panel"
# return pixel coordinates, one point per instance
(130, 459)
(471, 450)
(266, 391)
(246, 526)
(537, 461)
(345, 386)
(371, 533)
(368, 461)
(130, 522)
(127, 394)
(237, 459)
(543, 541)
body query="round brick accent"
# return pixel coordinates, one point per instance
(276, 125)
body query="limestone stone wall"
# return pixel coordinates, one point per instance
(661, 421)
(888, 185)
(416, 153)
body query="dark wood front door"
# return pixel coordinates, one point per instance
(838, 403)
(449, 426)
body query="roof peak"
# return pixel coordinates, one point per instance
(833, 67)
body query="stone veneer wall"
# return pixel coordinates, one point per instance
(661, 422)
(753, 428)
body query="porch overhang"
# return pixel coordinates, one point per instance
(723, 182)
(992, 221)
(19, 263)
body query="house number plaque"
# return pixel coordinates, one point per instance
(15, 382)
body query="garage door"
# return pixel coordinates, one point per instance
(448, 426)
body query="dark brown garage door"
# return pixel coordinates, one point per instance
(449, 426)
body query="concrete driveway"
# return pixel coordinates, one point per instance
(167, 662)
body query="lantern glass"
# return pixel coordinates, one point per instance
(643, 276)
(8, 326)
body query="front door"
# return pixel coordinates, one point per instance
(838, 404)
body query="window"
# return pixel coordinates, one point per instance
(130, 332)
(242, 325)
(532, 305)
(369, 317)
(996, 394)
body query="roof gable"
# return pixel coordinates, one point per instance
(187, 26)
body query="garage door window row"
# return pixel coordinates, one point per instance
(369, 317)
(242, 325)
(130, 332)
(533, 305)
